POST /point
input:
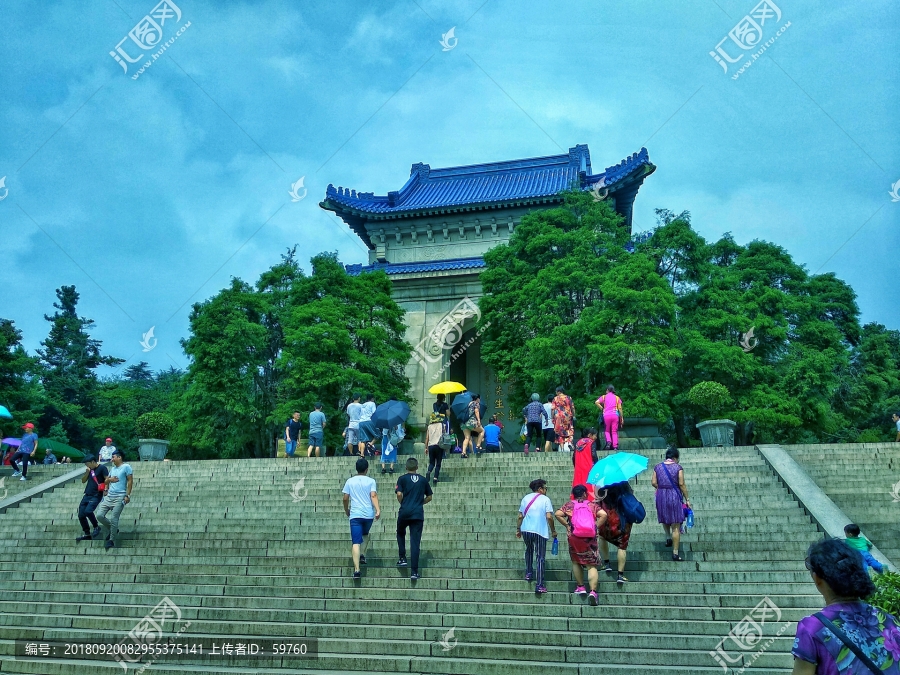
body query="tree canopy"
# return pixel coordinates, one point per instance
(571, 302)
(259, 353)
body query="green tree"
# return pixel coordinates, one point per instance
(20, 387)
(258, 353)
(569, 305)
(225, 407)
(69, 359)
(121, 400)
(870, 386)
(343, 334)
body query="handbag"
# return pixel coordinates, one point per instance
(842, 636)
(100, 486)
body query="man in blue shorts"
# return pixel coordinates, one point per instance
(361, 506)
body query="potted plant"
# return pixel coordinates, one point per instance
(154, 429)
(713, 398)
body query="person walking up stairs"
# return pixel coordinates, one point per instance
(361, 506)
(413, 492)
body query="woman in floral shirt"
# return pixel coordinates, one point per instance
(837, 571)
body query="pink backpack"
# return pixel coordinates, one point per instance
(584, 522)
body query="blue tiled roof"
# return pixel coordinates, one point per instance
(412, 268)
(521, 180)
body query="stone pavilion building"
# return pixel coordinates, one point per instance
(430, 236)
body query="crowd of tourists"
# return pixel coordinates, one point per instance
(594, 518)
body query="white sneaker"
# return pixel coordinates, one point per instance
(16, 474)
(23, 478)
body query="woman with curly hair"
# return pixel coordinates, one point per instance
(820, 647)
(614, 529)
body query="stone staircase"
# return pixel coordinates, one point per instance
(37, 474)
(260, 548)
(862, 479)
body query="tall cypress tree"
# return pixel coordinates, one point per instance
(69, 358)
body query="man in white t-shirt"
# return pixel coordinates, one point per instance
(534, 526)
(361, 506)
(367, 431)
(106, 452)
(547, 425)
(354, 411)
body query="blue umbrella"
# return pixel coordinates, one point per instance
(616, 468)
(460, 405)
(4, 412)
(390, 414)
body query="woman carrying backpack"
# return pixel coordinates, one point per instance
(582, 519)
(614, 528)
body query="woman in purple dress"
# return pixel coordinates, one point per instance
(837, 571)
(671, 493)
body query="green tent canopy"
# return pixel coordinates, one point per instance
(57, 448)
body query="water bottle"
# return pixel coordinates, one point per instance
(554, 550)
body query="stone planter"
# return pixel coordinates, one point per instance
(152, 449)
(717, 433)
(638, 433)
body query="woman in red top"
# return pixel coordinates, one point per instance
(583, 459)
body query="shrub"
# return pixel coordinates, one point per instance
(887, 595)
(155, 425)
(870, 436)
(710, 396)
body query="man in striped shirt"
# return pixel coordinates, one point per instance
(534, 413)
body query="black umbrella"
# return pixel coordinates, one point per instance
(460, 405)
(390, 414)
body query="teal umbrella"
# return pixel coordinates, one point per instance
(616, 468)
(4, 412)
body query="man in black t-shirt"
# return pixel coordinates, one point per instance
(94, 476)
(413, 492)
(292, 434)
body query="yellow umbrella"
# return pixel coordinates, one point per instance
(447, 387)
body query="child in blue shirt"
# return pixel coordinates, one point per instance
(856, 540)
(492, 438)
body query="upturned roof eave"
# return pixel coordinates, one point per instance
(340, 209)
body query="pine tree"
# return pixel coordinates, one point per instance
(69, 358)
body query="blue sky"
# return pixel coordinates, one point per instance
(148, 194)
